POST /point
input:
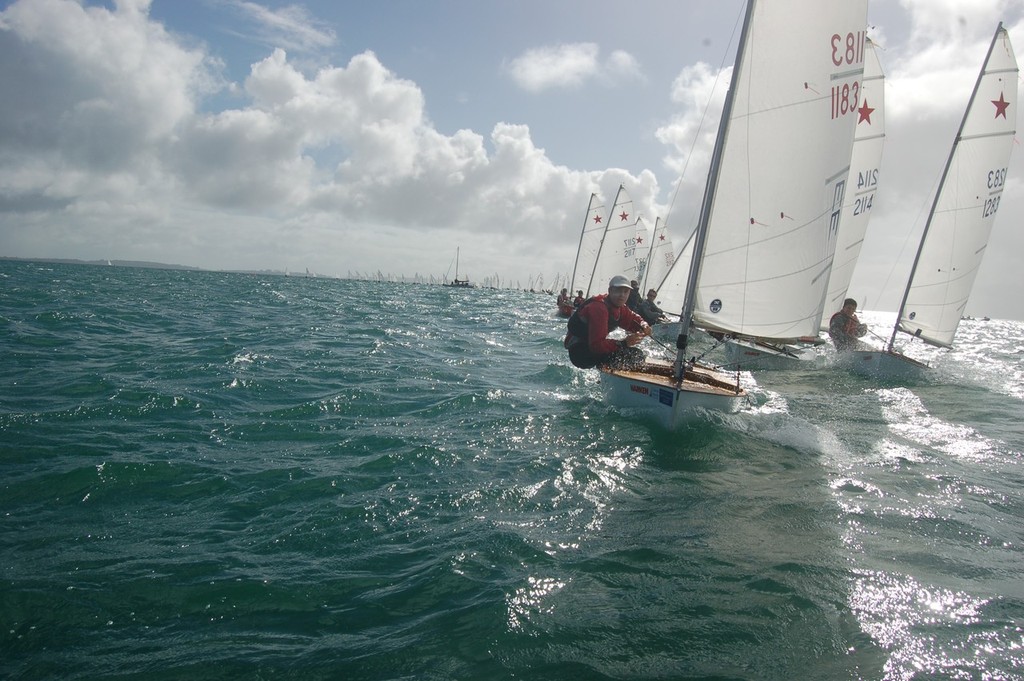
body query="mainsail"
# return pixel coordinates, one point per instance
(660, 257)
(590, 244)
(777, 179)
(865, 165)
(773, 206)
(617, 253)
(964, 209)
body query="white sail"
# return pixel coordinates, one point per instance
(642, 249)
(773, 205)
(672, 289)
(590, 244)
(660, 257)
(958, 228)
(865, 164)
(617, 254)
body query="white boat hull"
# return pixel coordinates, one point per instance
(884, 364)
(750, 356)
(653, 392)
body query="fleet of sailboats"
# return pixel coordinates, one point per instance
(609, 245)
(617, 250)
(789, 194)
(963, 211)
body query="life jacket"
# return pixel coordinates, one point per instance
(850, 324)
(579, 327)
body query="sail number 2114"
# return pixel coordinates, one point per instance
(846, 50)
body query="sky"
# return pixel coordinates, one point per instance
(353, 137)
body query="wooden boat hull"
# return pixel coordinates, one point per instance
(748, 355)
(652, 391)
(884, 364)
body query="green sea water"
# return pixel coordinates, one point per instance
(228, 476)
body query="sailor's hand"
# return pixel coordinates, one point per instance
(635, 338)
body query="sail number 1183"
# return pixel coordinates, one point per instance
(846, 50)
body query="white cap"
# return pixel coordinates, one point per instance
(618, 281)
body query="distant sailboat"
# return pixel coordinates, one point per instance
(660, 257)
(589, 246)
(617, 252)
(791, 100)
(865, 162)
(456, 282)
(963, 211)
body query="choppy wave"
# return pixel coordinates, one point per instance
(236, 476)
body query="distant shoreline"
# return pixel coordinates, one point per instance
(139, 263)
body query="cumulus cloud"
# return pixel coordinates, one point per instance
(570, 66)
(110, 147)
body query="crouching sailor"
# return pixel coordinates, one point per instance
(844, 328)
(587, 341)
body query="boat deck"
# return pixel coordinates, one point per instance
(698, 379)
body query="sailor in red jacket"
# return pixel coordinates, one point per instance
(587, 341)
(844, 328)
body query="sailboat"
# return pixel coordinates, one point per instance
(607, 247)
(586, 252)
(777, 177)
(865, 162)
(963, 210)
(660, 257)
(456, 282)
(617, 252)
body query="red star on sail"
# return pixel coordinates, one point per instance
(865, 112)
(624, 215)
(661, 238)
(597, 219)
(1001, 106)
(639, 239)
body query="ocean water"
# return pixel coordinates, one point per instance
(228, 476)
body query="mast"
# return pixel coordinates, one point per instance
(942, 182)
(700, 235)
